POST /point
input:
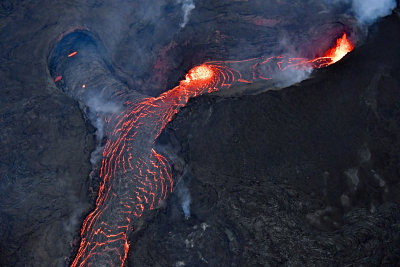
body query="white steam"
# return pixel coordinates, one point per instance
(96, 155)
(99, 108)
(187, 7)
(291, 76)
(368, 11)
(184, 197)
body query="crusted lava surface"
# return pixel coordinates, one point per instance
(300, 176)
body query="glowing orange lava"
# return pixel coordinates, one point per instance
(134, 177)
(72, 54)
(342, 47)
(199, 73)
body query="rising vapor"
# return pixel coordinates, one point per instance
(98, 109)
(185, 199)
(187, 7)
(367, 11)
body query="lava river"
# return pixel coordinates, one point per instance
(134, 177)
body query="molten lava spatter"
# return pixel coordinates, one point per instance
(72, 54)
(342, 47)
(199, 73)
(134, 177)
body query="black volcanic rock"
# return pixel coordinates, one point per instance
(250, 204)
(44, 169)
(308, 175)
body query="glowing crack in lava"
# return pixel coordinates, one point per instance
(134, 177)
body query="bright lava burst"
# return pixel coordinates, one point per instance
(342, 47)
(134, 177)
(199, 73)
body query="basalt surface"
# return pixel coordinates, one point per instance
(303, 175)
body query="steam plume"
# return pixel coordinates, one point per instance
(187, 7)
(98, 109)
(184, 197)
(368, 11)
(291, 76)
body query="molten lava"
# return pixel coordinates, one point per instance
(72, 54)
(57, 79)
(342, 47)
(134, 177)
(202, 72)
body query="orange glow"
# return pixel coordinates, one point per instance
(72, 54)
(199, 73)
(342, 47)
(134, 177)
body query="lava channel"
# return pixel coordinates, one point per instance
(134, 177)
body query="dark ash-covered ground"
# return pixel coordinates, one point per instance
(308, 175)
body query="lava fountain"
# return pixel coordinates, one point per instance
(134, 177)
(342, 47)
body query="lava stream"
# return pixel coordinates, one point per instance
(134, 177)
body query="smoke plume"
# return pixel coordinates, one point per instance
(187, 7)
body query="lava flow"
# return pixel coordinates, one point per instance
(134, 177)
